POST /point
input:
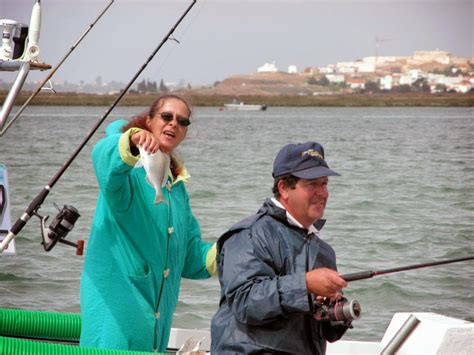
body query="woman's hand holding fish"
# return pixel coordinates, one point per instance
(146, 140)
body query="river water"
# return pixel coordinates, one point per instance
(406, 196)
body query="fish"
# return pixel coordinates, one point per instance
(157, 167)
(191, 347)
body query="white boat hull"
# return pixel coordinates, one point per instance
(245, 107)
(435, 334)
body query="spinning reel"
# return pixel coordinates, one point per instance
(341, 312)
(59, 228)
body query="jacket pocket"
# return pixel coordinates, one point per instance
(144, 285)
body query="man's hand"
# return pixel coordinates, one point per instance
(325, 282)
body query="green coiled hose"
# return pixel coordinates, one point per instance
(40, 324)
(11, 346)
(48, 326)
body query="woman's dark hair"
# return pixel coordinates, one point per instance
(289, 180)
(139, 121)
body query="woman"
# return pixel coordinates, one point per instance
(138, 251)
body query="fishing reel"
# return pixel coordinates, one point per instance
(14, 36)
(341, 312)
(59, 228)
(20, 41)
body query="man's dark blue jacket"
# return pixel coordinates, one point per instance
(264, 304)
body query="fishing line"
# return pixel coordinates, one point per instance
(193, 19)
(53, 71)
(68, 211)
(182, 36)
(195, 126)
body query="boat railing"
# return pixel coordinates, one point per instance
(23, 67)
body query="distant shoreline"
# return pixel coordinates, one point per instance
(346, 100)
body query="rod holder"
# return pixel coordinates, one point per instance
(401, 336)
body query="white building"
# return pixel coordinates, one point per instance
(411, 76)
(459, 83)
(386, 82)
(268, 68)
(382, 60)
(356, 84)
(357, 66)
(449, 80)
(415, 74)
(442, 57)
(346, 70)
(432, 77)
(335, 78)
(292, 69)
(363, 67)
(406, 79)
(462, 87)
(346, 67)
(329, 69)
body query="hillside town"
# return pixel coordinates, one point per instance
(426, 71)
(436, 70)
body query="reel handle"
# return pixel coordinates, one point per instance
(79, 245)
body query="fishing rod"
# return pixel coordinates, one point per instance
(369, 274)
(64, 222)
(344, 312)
(53, 71)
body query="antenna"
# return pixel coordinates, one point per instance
(379, 40)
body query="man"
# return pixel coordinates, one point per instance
(273, 266)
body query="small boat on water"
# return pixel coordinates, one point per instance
(240, 106)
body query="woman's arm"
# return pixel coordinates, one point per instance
(113, 162)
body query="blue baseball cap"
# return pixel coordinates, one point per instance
(303, 160)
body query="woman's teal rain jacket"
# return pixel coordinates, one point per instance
(137, 252)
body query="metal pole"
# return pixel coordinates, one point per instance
(401, 336)
(24, 69)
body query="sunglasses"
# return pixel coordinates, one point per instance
(168, 117)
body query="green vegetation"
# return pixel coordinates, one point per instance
(343, 100)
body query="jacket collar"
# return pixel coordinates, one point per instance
(279, 214)
(183, 175)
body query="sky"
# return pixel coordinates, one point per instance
(221, 38)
